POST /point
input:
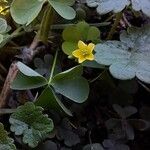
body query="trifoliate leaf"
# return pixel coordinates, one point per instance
(29, 122)
(27, 78)
(43, 67)
(128, 57)
(126, 111)
(71, 84)
(62, 7)
(49, 100)
(6, 143)
(84, 32)
(106, 6)
(143, 5)
(25, 11)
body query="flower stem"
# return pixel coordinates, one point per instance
(53, 67)
(114, 27)
(46, 23)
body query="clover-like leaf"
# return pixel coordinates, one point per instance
(43, 67)
(71, 84)
(143, 5)
(49, 100)
(110, 144)
(126, 111)
(128, 57)
(25, 11)
(66, 133)
(106, 6)
(84, 32)
(29, 122)
(62, 7)
(6, 143)
(27, 78)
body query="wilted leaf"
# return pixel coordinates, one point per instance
(29, 122)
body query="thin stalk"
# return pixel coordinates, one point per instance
(53, 67)
(46, 23)
(115, 25)
(7, 111)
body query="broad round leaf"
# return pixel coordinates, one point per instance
(25, 11)
(3, 25)
(143, 5)
(27, 78)
(106, 6)
(63, 8)
(128, 57)
(71, 84)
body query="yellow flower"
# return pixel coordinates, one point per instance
(84, 52)
(3, 6)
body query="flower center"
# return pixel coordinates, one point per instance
(84, 52)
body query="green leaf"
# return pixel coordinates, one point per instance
(106, 6)
(63, 8)
(143, 5)
(92, 64)
(27, 78)
(3, 25)
(6, 143)
(128, 57)
(29, 122)
(71, 84)
(49, 100)
(83, 32)
(25, 11)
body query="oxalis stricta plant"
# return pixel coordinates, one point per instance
(75, 74)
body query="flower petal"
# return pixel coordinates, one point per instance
(90, 57)
(90, 47)
(81, 59)
(82, 45)
(77, 53)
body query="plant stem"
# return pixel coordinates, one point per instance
(114, 27)
(46, 23)
(53, 67)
